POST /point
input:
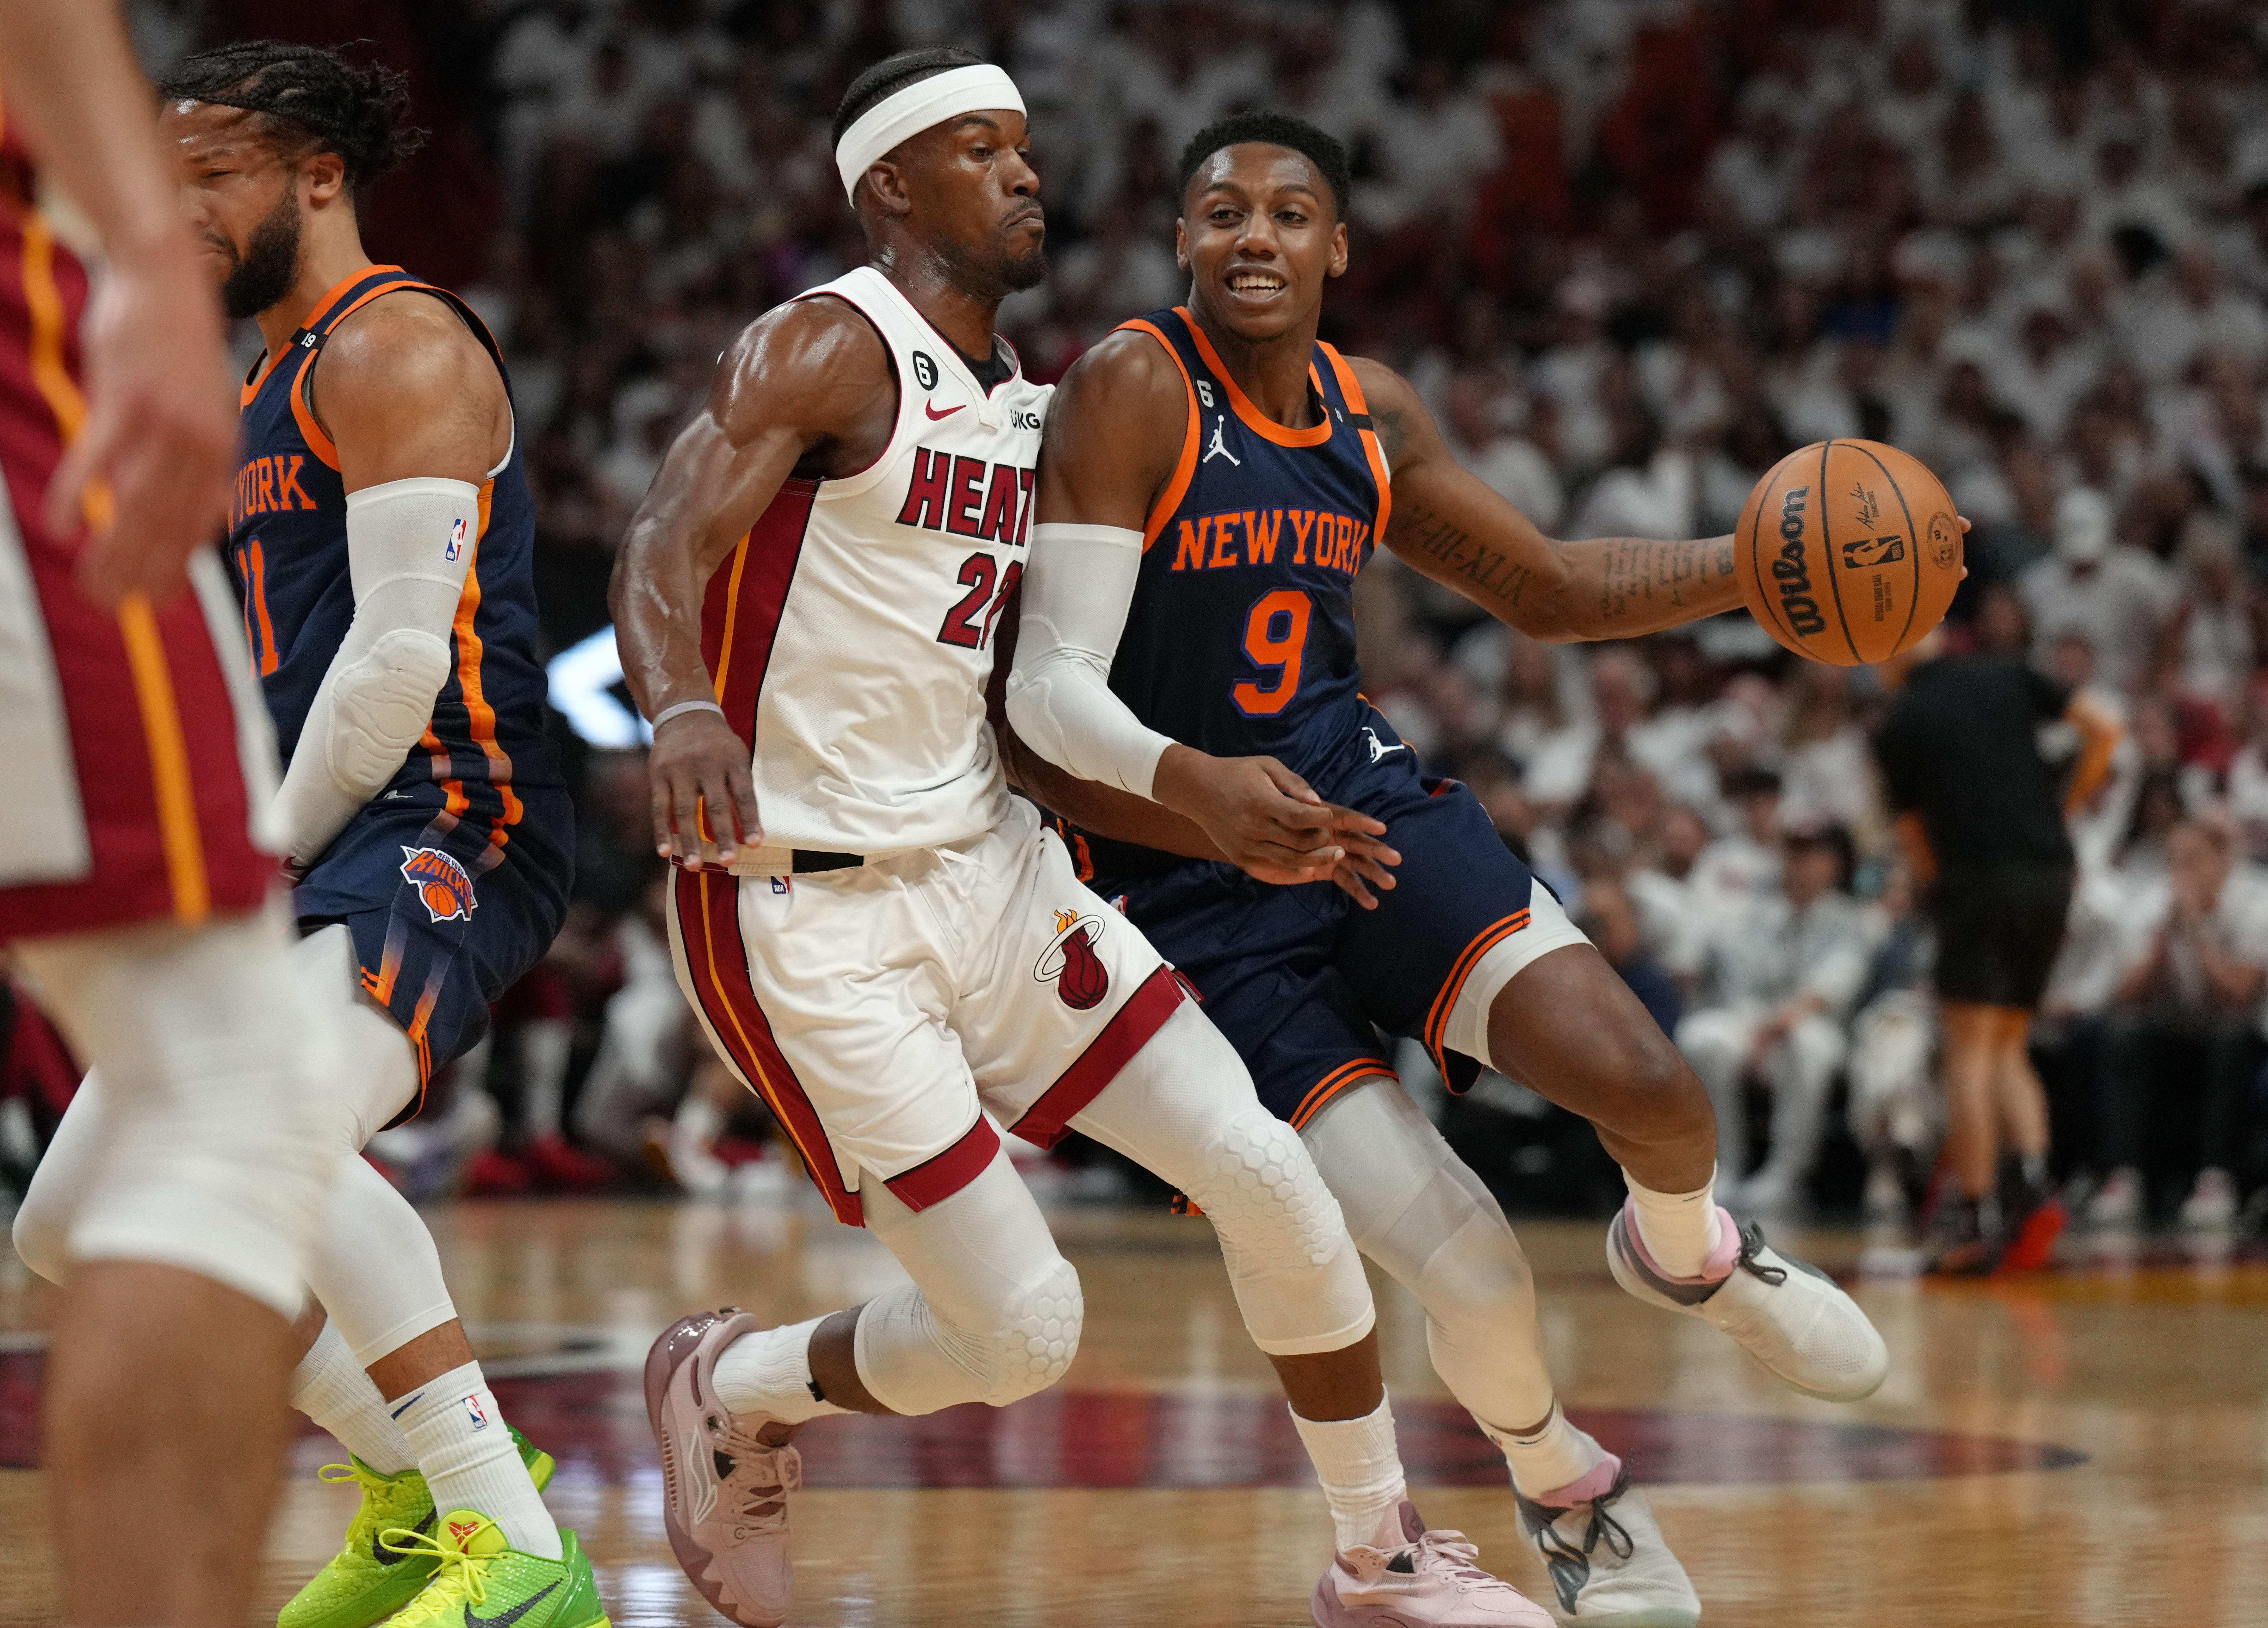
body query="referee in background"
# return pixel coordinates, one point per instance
(1982, 831)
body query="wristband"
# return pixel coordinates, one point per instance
(667, 713)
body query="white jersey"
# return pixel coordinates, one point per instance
(850, 633)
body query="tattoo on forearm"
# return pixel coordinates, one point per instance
(1491, 575)
(1641, 578)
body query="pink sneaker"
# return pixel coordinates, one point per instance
(724, 1490)
(1431, 1582)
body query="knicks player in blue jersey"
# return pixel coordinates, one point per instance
(1189, 705)
(381, 534)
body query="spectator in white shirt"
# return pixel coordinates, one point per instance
(1510, 465)
(1742, 865)
(1779, 981)
(2115, 596)
(2190, 1010)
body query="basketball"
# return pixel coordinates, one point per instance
(1848, 551)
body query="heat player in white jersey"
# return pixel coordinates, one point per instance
(879, 939)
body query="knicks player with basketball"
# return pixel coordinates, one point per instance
(883, 943)
(1212, 479)
(381, 532)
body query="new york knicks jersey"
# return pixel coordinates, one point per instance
(850, 635)
(1241, 638)
(288, 551)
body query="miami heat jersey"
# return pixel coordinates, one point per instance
(1240, 639)
(850, 635)
(288, 550)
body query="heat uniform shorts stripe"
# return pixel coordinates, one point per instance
(882, 1011)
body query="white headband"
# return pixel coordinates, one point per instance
(920, 105)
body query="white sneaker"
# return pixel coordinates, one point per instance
(1785, 1312)
(2211, 1206)
(1886, 1197)
(2118, 1204)
(1608, 1565)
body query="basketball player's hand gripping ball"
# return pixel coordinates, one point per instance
(1849, 551)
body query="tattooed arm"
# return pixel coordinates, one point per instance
(1453, 528)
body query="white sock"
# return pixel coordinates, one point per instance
(1680, 1230)
(330, 1387)
(1556, 1456)
(470, 1461)
(769, 1372)
(1361, 1472)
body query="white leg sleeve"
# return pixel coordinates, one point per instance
(993, 1312)
(1185, 1109)
(374, 1267)
(1414, 1207)
(201, 1149)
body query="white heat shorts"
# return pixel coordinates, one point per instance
(877, 1009)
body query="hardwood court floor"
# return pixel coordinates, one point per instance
(2085, 1448)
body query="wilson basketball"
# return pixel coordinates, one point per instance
(1848, 551)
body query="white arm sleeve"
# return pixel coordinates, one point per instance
(1078, 585)
(409, 547)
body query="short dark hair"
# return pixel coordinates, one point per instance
(310, 93)
(1318, 146)
(895, 73)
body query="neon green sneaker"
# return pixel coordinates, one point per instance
(368, 1580)
(481, 1581)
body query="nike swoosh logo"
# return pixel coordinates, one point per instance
(948, 413)
(407, 1402)
(385, 1555)
(505, 1619)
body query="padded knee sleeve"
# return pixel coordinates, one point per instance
(993, 1312)
(204, 1154)
(1184, 1108)
(1298, 1278)
(1415, 1208)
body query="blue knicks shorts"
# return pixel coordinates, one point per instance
(442, 923)
(1300, 979)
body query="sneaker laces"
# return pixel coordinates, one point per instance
(1602, 1525)
(1451, 1555)
(1752, 1244)
(456, 1564)
(763, 1502)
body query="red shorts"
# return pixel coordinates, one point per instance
(135, 748)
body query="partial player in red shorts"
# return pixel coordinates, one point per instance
(132, 886)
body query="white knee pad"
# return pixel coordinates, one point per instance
(1415, 1208)
(1024, 1348)
(202, 1148)
(993, 1312)
(1183, 1106)
(374, 1265)
(1298, 1278)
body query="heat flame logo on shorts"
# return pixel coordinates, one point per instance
(442, 884)
(1070, 964)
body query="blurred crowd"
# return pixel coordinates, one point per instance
(1632, 252)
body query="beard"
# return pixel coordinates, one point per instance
(269, 264)
(991, 272)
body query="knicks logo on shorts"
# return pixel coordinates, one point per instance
(1070, 964)
(442, 884)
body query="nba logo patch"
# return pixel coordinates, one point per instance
(455, 551)
(443, 885)
(474, 1416)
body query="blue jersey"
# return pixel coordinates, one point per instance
(1241, 638)
(485, 745)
